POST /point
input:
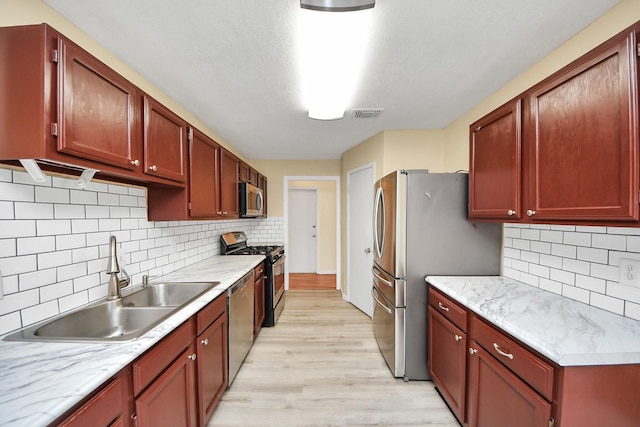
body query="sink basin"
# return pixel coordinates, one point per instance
(124, 319)
(167, 294)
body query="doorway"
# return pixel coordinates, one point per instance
(302, 251)
(360, 237)
(328, 256)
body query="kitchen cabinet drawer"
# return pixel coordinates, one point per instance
(156, 360)
(528, 366)
(211, 312)
(448, 308)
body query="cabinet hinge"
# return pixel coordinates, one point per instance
(54, 56)
(552, 422)
(54, 129)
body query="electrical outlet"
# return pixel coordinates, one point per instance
(630, 272)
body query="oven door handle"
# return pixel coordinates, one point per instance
(373, 294)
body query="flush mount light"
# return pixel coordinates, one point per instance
(332, 49)
(337, 5)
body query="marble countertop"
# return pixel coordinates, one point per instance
(568, 332)
(39, 381)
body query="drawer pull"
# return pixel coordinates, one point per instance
(205, 341)
(442, 306)
(458, 337)
(502, 353)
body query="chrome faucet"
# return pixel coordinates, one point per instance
(113, 268)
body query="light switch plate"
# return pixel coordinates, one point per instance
(630, 272)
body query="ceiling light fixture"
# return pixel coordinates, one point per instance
(337, 5)
(332, 49)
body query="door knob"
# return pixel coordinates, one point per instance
(367, 251)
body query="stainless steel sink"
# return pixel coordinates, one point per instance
(167, 294)
(117, 320)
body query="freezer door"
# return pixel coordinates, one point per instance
(393, 289)
(388, 328)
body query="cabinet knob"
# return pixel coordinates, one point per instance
(472, 351)
(192, 356)
(531, 213)
(458, 337)
(135, 162)
(442, 307)
(224, 213)
(511, 212)
(205, 341)
(219, 213)
(153, 168)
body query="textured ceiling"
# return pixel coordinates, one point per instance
(232, 62)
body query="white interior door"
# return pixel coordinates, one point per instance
(302, 254)
(360, 238)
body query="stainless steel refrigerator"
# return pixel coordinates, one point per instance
(420, 229)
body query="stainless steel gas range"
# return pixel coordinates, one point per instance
(235, 243)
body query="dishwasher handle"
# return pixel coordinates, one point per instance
(240, 284)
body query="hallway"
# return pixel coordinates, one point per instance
(320, 366)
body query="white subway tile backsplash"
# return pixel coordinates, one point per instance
(54, 259)
(17, 228)
(71, 241)
(55, 291)
(10, 322)
(106, 199)
(609, 241)
(52, 195)
(83, 197)
(577, 294)
(33, 210)
(608, 303)
(38, 313)
(6, 175)
(7, 247)
(73, 301)
(68, 211)
(18, 264)
(85, 282)
(35, 279)
(6, 210)
(580, 262)
(72, 271)
(10, 284)
(52, 227)
(19, 301)
(35, 245)
(17, 192)
(97, 211)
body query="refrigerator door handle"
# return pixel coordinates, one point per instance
(379, 240)
(384, 307)
(383, 280)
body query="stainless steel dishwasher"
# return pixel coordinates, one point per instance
(240, 303)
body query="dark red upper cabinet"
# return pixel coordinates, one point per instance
(165, 142)
(204, 186)
(97, 110)
(495, 166)
(582, 138)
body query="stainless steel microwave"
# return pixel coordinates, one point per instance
(251, 200)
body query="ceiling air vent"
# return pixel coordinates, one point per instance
(367, 113)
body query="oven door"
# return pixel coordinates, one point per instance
(278, 280)
(388, 328)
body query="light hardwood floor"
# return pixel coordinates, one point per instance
(320, 366)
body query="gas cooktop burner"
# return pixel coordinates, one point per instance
(235, 243)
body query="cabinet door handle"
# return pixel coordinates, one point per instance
(502, 353)
(205, 341)
(153, 168)
(135, 162)
(192, 356)
(472, 351)
(458, 337)
(442, 306)
(511, 212)
(531, 213)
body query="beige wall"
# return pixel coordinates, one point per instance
(413, 149)
(327, 222)
(623, 15)
(276, 170)
(24, 12)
